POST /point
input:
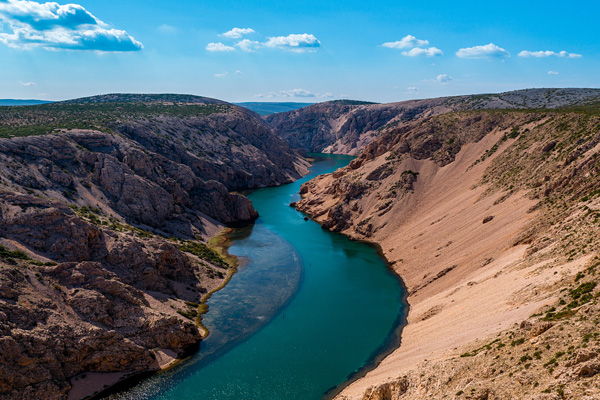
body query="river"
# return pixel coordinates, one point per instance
(306, 309)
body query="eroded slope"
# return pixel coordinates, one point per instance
(488, 216)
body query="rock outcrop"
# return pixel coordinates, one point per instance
(83, 298)
(105, 204)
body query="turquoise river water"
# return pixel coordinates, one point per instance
(306, 309)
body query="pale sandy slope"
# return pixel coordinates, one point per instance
(489, 287)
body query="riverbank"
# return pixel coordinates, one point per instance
(469, 276)
(98, 385)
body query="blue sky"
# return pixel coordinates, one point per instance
(295, 51)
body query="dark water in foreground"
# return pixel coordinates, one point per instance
(306, 309)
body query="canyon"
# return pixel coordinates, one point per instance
(486, 206)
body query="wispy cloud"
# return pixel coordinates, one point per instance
(295, 93)
(26, 83)
(237, 33)
(29, 24)
(552, 73)
(268, 95)
(547, 53)
(406, 42)
(294, 42)
(412, 90)
(248, 45)
(487, 51)
(416, 47)
(444, 78)
(298, 93)
(419, 52)
(226, 73)
(298, 43)
(218, 47)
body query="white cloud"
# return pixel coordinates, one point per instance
(416, 47)
(444, 78)
(269, 95)
(222, 74)
(299, 43)
(218, 47)
(26, 83)
(418, 52)
(487, 51)
(552, 73)
(298, 93)
(248, 45)
(237, 33)
(294, 42)
(407, 42)
(547, 53)
(238, 72)
(294, 93)
(412, 90)
(29, 24)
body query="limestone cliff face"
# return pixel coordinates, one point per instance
(81, 297)
(138, 184)
(235, 148)
(491, 219)
(104, 206)
(345, 127)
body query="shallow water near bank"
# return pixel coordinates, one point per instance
(306, 309)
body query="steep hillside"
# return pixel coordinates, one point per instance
(219, 141)
(105, 207)
(345, 127)
(491, 219)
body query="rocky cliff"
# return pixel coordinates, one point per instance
(491, 219)
(105, 206)
(345, 127)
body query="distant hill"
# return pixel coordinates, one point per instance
(265, 108)
(145, 98)
(347, 126)
(13, 102)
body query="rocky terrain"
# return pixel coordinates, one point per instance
(345, 126)
(491, 218)
(106, 204)
(488, 208)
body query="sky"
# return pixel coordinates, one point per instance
(304, 51)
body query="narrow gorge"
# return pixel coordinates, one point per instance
(112, 211)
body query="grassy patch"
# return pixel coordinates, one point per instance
(204, 252)
(11, 255)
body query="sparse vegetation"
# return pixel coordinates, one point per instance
(204, 252)
(52, 118)
(11, 255)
